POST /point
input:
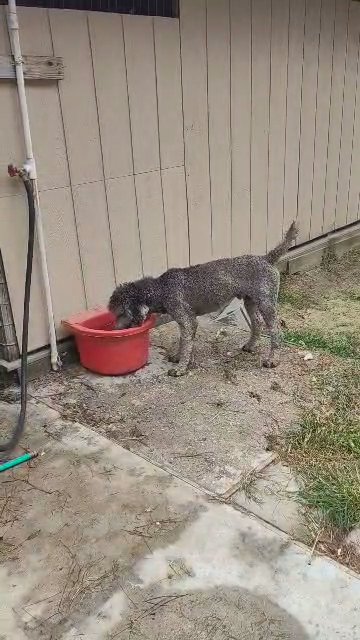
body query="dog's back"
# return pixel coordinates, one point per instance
(205, 287)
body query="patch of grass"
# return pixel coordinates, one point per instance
(295, 298)
(332, 262)
(329, 260)
(352, 294)
(293, 295)
(323, 432)
(248, 485)
(299, 291)
(325, 449)
(345, 345)
(335, 494)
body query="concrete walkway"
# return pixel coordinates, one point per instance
(97, 543)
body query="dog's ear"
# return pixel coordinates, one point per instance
(115, 304)
(144, 311)
(128, 311)
(139, 314)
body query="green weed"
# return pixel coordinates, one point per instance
(345, 345)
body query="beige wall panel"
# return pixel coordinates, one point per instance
(13, 243)
(107, 46)
(124, 228)
(322, 115)
(168, 78)
(279, 62)
(308, 113)
(218, 50)
(140, 63)
(336, 107)
(176, 221)
(43, 102)
(348, 118)
(11, 142)
(14, 215)
(151, 222)
(240, 12)
(63, 258)
(4, 36)
(71, 41)
(295, 65)
(94, 240)
(354, 185)
(51, 157)
(261, 31)
(194, 81)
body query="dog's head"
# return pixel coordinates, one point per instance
(128, 306)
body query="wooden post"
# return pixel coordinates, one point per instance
(35, 68)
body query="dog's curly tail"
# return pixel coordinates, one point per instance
(275, 254)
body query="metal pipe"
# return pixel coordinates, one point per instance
(30, 167)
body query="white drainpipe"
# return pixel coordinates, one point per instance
(30, 166)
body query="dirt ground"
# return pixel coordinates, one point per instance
(210, 428)
(326, 298)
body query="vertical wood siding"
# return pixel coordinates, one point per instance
(172, 142)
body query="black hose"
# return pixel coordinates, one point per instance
(20, 425)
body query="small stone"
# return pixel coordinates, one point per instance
(136, 433)
(308, 356)
(254, 394)
(11, 395)
(353, 538)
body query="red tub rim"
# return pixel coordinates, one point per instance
(74, 324)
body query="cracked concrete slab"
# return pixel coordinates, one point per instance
(271, 495)
(98, 543)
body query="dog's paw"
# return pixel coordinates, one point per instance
(177, 372)
(270, 363)
(174, 359)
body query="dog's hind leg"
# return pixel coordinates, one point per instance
(268, 312)
(253, 314)
(188, 327)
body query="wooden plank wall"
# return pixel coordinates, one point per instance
(172, 142)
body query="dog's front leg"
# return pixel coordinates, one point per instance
(188, 328)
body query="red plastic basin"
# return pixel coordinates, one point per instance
(105, 350)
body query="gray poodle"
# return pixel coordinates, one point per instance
(203, 288)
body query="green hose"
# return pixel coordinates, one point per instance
(16, 461)
(10, 444)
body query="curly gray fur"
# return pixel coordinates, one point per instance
(187, 293)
